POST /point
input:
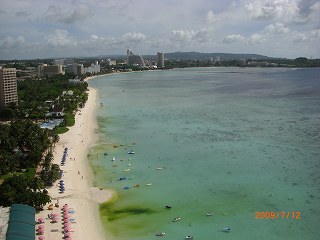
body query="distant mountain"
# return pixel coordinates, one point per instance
(206, 56)
(195, 56)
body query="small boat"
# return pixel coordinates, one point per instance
(137, 185)
(113, 159)
(209, 213)
(122, 178)
(106, 154)
(189, 237)
(131, 152)
(127, 170)
(160, 168)
(176, 219)
(149, 184)
(160, 234)
(167, 207)
(226, 229)
(126, 187)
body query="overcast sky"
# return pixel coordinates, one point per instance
(71, 28)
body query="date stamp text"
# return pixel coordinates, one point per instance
(278, 215)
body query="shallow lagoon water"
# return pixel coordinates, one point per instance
(233, 141)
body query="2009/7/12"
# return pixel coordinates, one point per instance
(278, 215)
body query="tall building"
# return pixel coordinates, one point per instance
(133, 59)
(76, 69)
(8, 86)
(94, 68)
(53, 70)
(160, 60)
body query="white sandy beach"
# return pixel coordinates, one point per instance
(77, 176)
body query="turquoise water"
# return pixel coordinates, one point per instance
(233, 141)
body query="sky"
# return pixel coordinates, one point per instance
(73, 28)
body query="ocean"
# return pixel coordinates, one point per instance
(242, 143)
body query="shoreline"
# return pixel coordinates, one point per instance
(80, 195)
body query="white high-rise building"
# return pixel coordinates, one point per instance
(160, 60)
(133, 59)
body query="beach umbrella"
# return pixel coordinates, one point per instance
(68, 234)
(66, 220)
(56, 214)
(40, 220)
(67, 224)
(66, 214)
(67, 229)
(41, 237)
(40, 226)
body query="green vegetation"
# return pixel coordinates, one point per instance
(270, 62)
(60, 130)
(25, 149)
(36, 97)
(25, 190)
(22, 147)
(69, 118)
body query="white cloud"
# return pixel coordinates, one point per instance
(256, 38)
(202, 35)
(299, 37)
(274, 9)
(57, 14)
(135, 37)
(182, 35)
(94, 27)
(211, 17)
(12, 43)
(60, 38)
(315, 34)
(276, 28)
(233, 38)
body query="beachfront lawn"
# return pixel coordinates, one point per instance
(60, 130)
(69, 119)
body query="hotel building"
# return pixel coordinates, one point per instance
(8, 86)
(133, 59)
(160, 60)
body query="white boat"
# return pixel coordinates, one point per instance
(176, 219)
(131, 152)
(160, 234)
(149, 184)
(209, 213)
(226, 229)
(114, 158)
(189, 237)
(160, 168)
